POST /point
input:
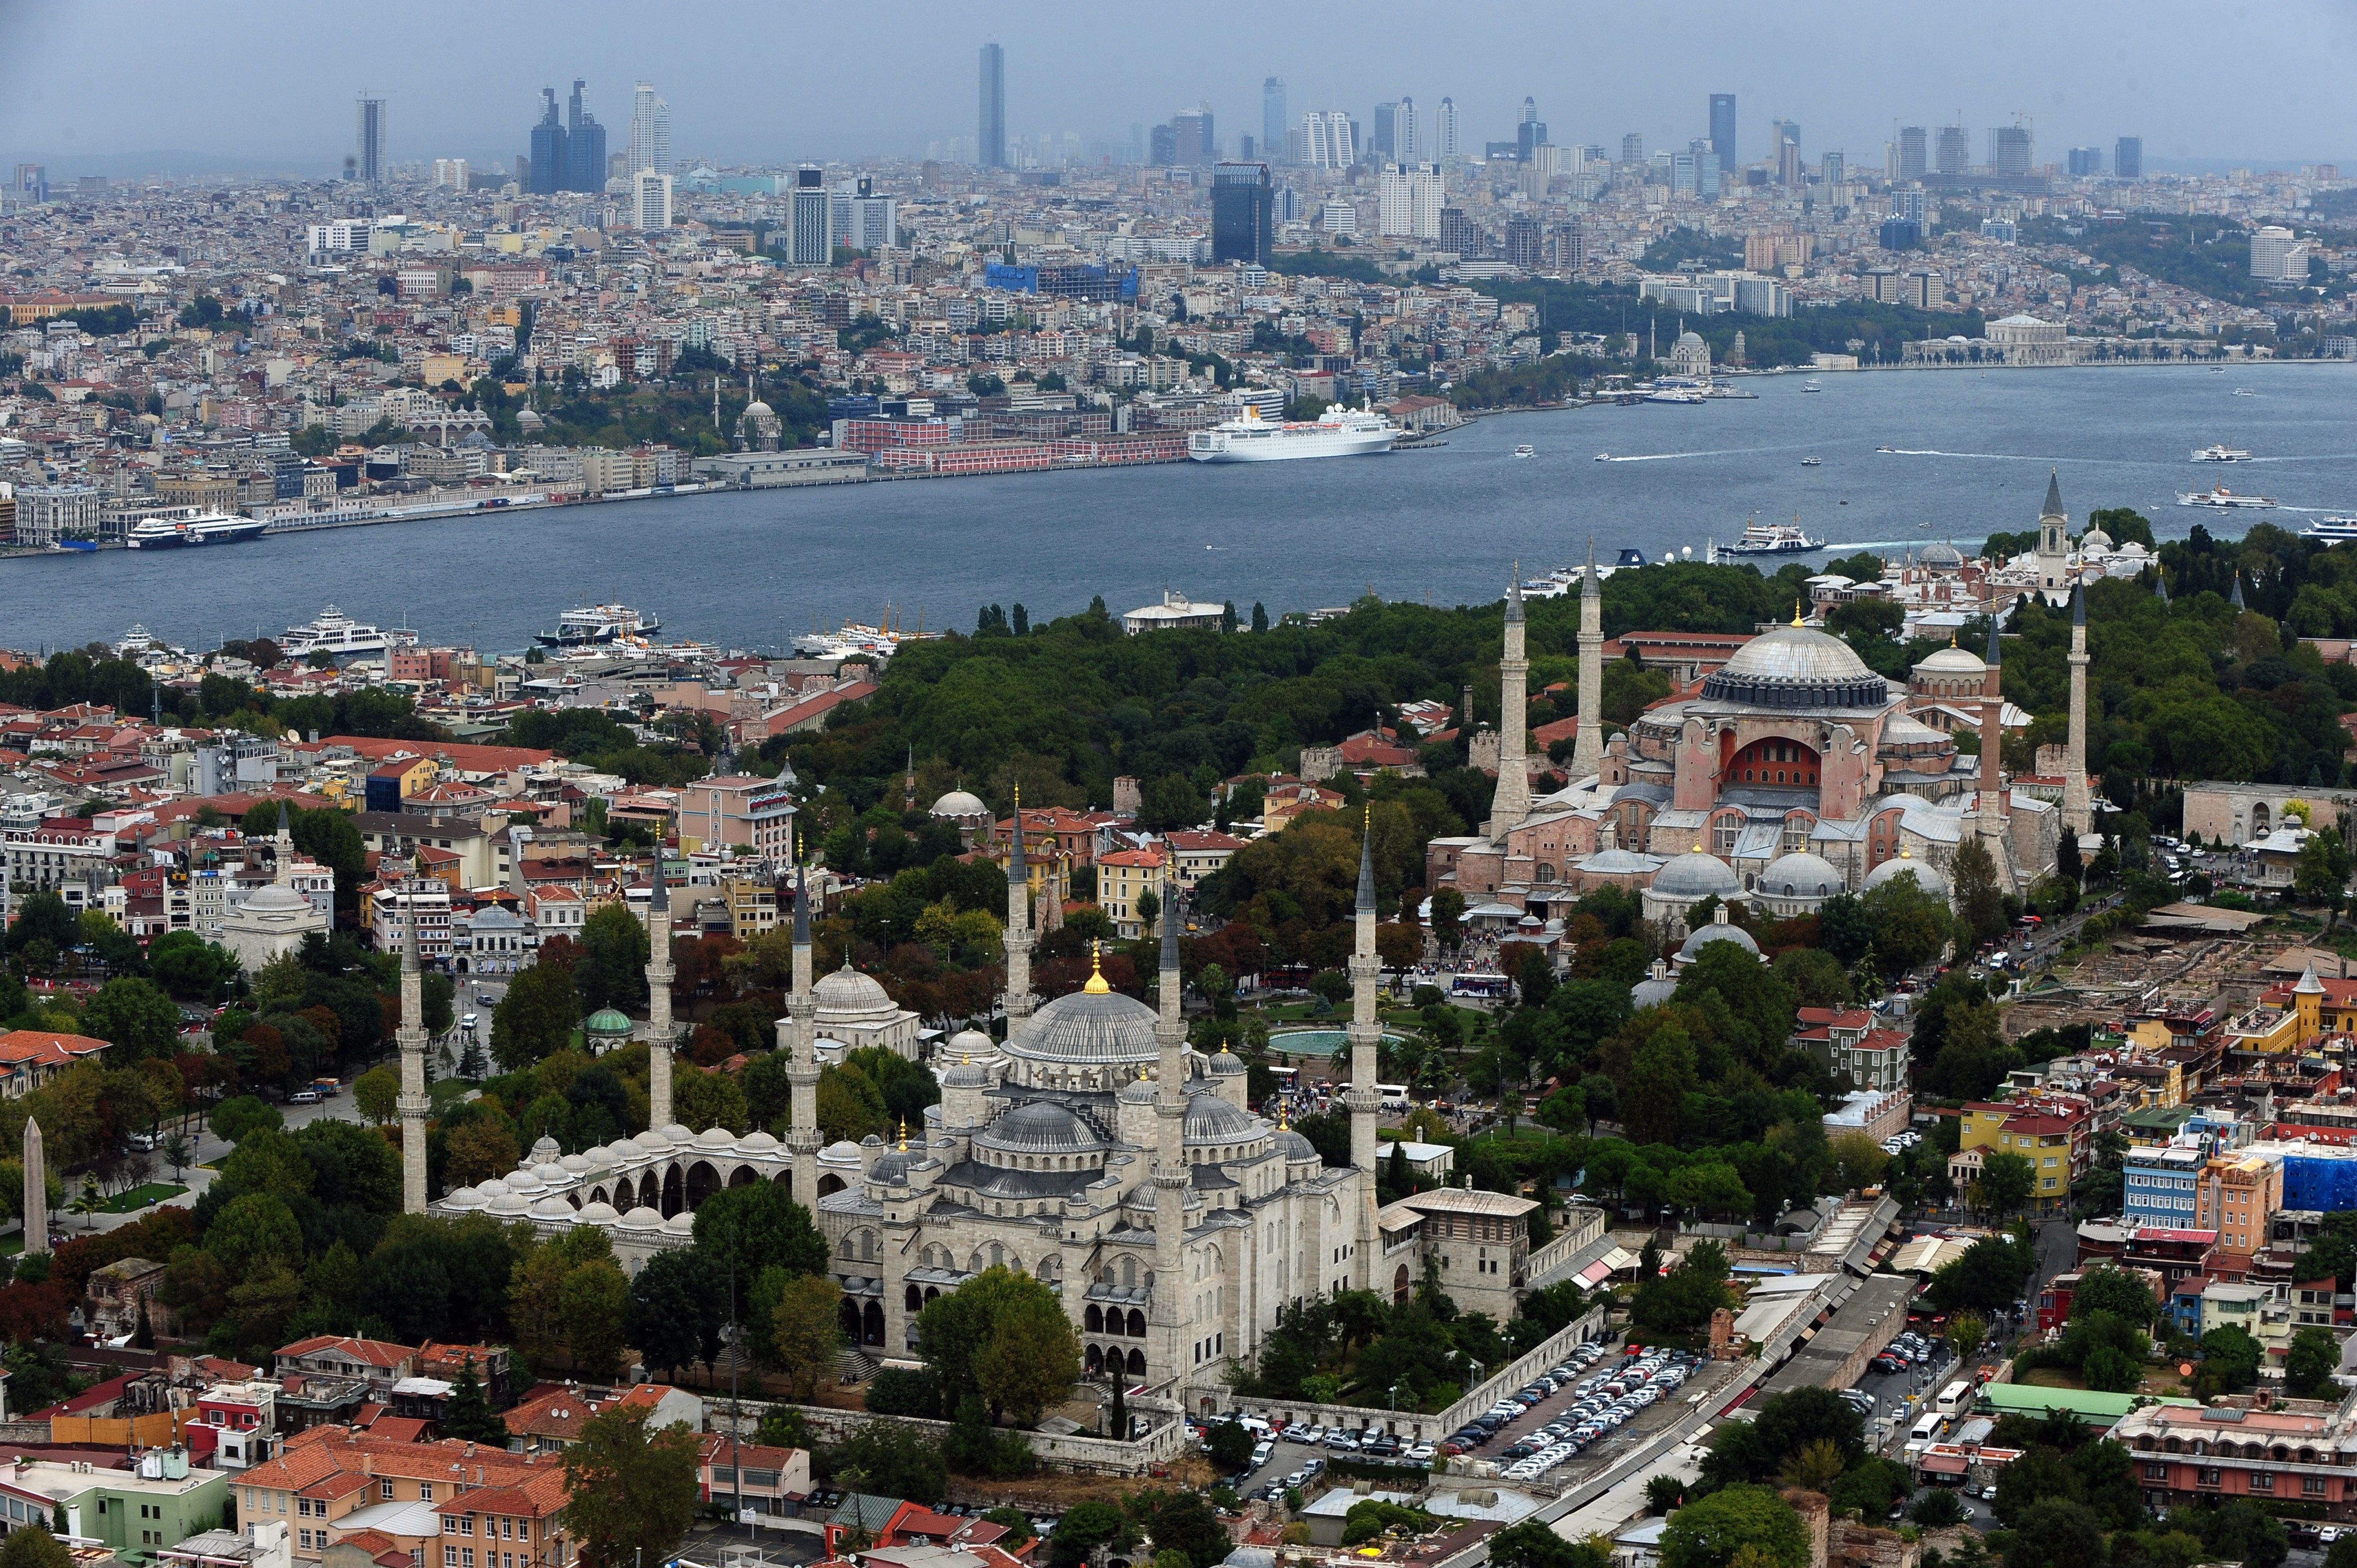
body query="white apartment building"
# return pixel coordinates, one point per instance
(1408, 200)
(2278, 257)
(650, 194)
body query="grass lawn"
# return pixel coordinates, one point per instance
(2051, 1378)
(444, 1092)
(141, 1197)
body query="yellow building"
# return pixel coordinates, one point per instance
(1122, 877)
(752, 908)
(2047, 1135)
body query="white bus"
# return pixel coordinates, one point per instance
(1394, 1097)
(1955, 1397)
(1925, 1429)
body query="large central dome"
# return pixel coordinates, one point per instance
(1797, 667)
(1093, 1029)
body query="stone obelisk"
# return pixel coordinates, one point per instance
(36, 1191)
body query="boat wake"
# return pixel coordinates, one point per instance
(1673, 457)
(2007, 456)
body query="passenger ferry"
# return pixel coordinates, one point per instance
(1773, 539)
(2332, 529)
(188, 526)
(594, 624)
(339, 635)
(1338, 433)
(2221, 497)
(2219, 452)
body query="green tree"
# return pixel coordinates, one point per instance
(2310, 1362)
(1230, 1447)
(470, 1415)
(133, 1017)
(252, 1231)
(1531, 1544)
(745, 1229)
(375, 1092)
(536, 1016)
(611, 970)
(806, 1330)
(631, 1491)
(1082, 1529)
(1980, 902)
(2005, 1184)
(1710, 1531)
(32, 1546)
(2055, 1530)
(678, 1304)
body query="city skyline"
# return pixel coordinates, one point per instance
(2091, 78)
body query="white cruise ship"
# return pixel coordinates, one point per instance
(186, 526)
(339, 635)
(1338, 432)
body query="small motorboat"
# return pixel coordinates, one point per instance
(2245, 391)
(1604, 457)
(1526, 450)
(1810, 386)
(1885, 448)
(1812, 462)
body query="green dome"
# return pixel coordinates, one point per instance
(606, 1021)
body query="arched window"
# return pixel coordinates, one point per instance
(1137, 1363)
(1129, 1274)
(1092, 1321)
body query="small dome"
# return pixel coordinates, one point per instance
(552, 1173)
(966, 1075)
(1136, 1091)
(677, 1135)
(466, 1200)
(757, 1143)
(1721, 931)
(756, 409)
(274, 898)
(1696, 877)
(1952, 662)
(1927, 876)
(625, 1149)
(543, 1148)
(959, 803)
(2095, 542)
(970, 1043)
(1941, 557)
(1226, 1064)
(493, 1187)
(599, 1213)
(892, 1170)
(1655, 990)
(680, 1224)
(1211, 1119)
(642, 1218)
(1799, 876)
(573, 1164)
(509, 1203)
(841, 1149)
(591, 1158)
(551, 1207)
(606, 1021)
(1039, 1127)
(715, 1138)
(1296, 1149)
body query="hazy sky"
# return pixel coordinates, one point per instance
(265, 84)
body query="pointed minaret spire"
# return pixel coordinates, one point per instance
(411, 1105)
(1017, 935)
(1588, 747)
(2237, 600)
(798, 1034)
(2160, 584)
(1367, 863)
(660, 1036)
(1166, 1317)
(1364, 1036)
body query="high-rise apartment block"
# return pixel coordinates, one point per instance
(2278, 255)
(1458, 232)
(1408, 200)
(369, 156)
(864, 221)
(650, 194)
(1444, 130)
(1328, 140)
(1722, 128)
(450, 174)
(650, 131)
(991, 148)
(1530, 131)
(2127, 158)
(1632, 147)
(1410, 135)
(1243, 224)
(812, 242)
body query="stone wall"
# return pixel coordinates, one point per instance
(1079, 1454)
(1585, 1226)
(1421, 1428)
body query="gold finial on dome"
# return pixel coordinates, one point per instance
(904, 1134)
(1096, 985)
(1796, 612)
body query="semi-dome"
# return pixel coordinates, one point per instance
(1040, 1127)
(1927, 876)
(1211, 1119)
(1797, 667)
(1088, 1026)
(1295, 1148)
(892, 1170)
(1905, 729)
(959, 803)
(1136, 1091)
(1799, 876)
(1696, 876)
(848, 994)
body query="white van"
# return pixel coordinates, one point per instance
(1394, 1097)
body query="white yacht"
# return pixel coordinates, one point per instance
(2219, 452)
(2219, 496)
(1338, 433)
(1526, 450)
(338, 635)
(2332, 529)
(188, 525)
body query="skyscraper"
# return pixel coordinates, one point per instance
(2009, 149)
(1912, 143)
(651, 193)
(1272, 122)
(812, 242)
(1328, 140)
(1444, 129)
(1722, 128)
(1408, 202)
(1411, 144)
(650, 131)
(585, 144)
(548, 147)
(1836, 167)
(1195, 144)
(2127, 158)
(1632, 147)
(2086, 161)
(1529, 132)
(1955, 150)
(368, 165)
(990, 151)
(1243, 213)
(1385, 143)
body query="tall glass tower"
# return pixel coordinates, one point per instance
(990, 150)
(1272, 122)
(1722, 128)
(369, 165)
